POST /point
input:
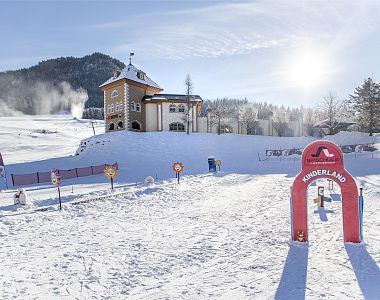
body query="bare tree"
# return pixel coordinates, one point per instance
(189, 106)
(220, 111)
(248, 117)
(310, 119)
(280, 121)
(331, 108)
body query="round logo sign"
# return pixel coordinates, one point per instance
(178, 167)
(322, 153)
(55, 177)
(110, 172)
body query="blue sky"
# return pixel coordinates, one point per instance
(282, 52)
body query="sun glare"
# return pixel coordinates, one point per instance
(307, 68)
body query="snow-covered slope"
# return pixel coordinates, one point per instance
(142, 154)
(30, 138)
(222, 236)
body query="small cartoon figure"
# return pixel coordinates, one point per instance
(300, 236)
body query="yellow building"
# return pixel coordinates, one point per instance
(132, 101)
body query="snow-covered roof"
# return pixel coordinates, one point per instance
(172, 97)
(339, 123)
(130, 72)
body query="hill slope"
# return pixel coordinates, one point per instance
(19, 89)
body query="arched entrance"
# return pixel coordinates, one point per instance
(324, 159)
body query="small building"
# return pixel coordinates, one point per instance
(133, 101)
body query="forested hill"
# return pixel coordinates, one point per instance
(87, 72)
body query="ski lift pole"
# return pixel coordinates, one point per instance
(92, 124)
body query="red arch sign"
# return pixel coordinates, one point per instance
(324, 159)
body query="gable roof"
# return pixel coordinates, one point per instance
(130, 73)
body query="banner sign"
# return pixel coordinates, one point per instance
(354, 148)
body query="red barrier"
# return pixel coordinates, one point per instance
(324, 159)
(24, 179)
(86, 171)
(43, 177)
(68, 174)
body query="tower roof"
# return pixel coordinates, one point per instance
(130, 72)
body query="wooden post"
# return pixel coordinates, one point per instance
(111, 183)
(361, 192)
(59, 197)
(178, 177)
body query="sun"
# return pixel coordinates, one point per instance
(307, 68)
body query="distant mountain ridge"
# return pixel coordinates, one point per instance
(86, 73)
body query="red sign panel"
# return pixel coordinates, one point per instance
(322, 154)
(324, 159)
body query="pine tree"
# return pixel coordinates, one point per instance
(365, 102)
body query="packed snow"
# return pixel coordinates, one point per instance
(224, 235)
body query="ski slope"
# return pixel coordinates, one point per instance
(223, 236)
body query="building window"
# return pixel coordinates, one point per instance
(111, 126)
(117, 107)
(177, 127)
(114, 94)
(133, 106)
(172, 108)
(138, 107)
(112, 108)
(120, 106)
(136, 125)
(141, 75)
(289, 132)
(120, 125)
(254, 130)
(181, 108)
(109, 109)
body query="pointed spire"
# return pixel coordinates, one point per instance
(130, 57)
